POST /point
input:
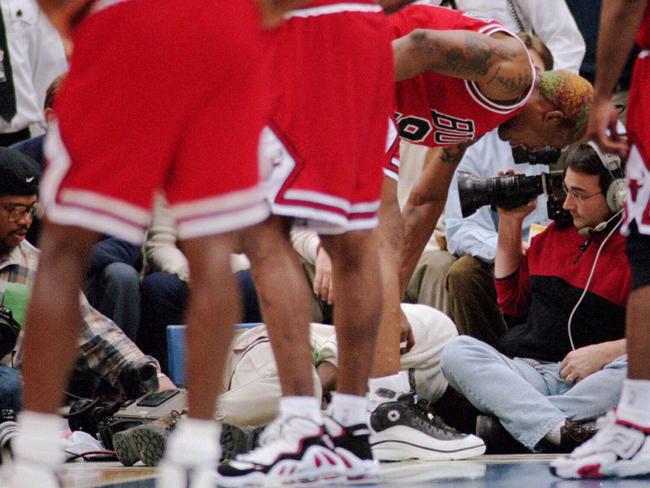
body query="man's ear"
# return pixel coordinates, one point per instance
(49, 115)
(554, 115)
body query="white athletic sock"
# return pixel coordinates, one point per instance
(635, 399)
(301, 406)
(387, 389)
(349, 409)
(195, 441)
(554, 436)
(40, 437)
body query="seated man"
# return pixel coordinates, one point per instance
(252, 388)
(103, 347)
(566, 364)
(165, 287)
(473, 239)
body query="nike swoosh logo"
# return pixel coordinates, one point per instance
(30, 179)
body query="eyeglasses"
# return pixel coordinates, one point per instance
(18, 212)
(578, 196)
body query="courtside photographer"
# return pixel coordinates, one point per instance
(564, 365)
(103, 349)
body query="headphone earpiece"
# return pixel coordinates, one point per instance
(616, 194)
(617, 188)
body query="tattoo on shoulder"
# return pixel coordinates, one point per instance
(478, 55)
(516, 84)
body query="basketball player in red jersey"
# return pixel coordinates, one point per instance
(457, 78)
(621, 447)
(101, 178)
(322, 153)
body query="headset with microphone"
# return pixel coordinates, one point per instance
(616, 202)
(616, 190)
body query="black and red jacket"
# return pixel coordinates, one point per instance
(548, 284)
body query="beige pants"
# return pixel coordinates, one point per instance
(252, 383)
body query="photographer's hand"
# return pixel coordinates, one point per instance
(582, 362)
(509, 243)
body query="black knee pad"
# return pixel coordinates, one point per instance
(637, 248)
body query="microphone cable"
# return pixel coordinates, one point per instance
(591, 275)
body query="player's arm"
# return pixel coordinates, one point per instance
(425, 204)
(498, 63)
(64, 14)
(620, 21)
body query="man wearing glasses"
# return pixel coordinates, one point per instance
(548, 378)
(102, 346)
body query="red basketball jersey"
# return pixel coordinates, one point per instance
(643, 38)
(437, 110)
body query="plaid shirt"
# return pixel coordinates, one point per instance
(103, 348)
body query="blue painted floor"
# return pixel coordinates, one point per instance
(522, 471)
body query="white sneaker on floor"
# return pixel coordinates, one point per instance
(615, 451)
(22, 474)
(293, 450)
(404, 429)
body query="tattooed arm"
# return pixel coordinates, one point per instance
(425, 205)
(498, 63)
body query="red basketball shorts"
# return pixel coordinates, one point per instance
(323, 149)
(637, 203)
(162, 95)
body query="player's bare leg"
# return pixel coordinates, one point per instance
(214, 308)
(284, 300)
(53, 325)
(415, 434)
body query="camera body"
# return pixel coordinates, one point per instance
(9, 331)
(512, 191)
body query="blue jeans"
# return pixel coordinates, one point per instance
(529, 397)
(115, 292)
(10, 388)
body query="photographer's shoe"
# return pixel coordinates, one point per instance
(614, 451)
(150, 439)
(352, 445)
(404, 429)
(293, 450)
(497, 439)
(574, 434)
(125, 447)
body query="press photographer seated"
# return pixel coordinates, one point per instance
(566, 363)
(103, 349)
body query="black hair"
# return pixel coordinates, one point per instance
(584, 159)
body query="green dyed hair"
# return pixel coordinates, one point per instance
(571, 94)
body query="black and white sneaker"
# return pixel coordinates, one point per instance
(404, 429)
(293, 450)
(352, 444)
